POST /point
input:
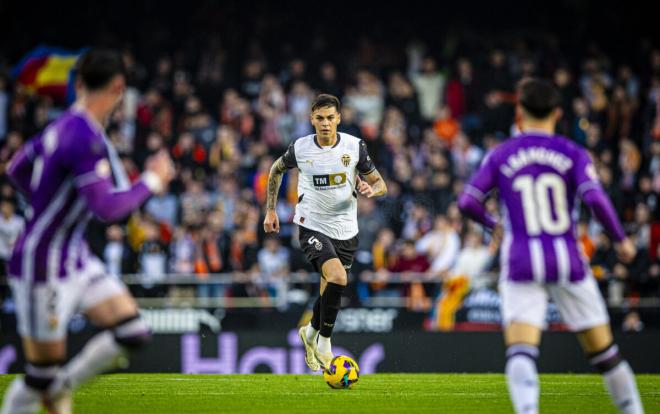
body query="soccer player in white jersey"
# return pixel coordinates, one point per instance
(539, 177)
(68, 174)
(330, 164)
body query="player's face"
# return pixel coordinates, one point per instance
(325, 121)
(116, 89)
(112, 94)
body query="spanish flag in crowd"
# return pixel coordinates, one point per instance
(48, 71)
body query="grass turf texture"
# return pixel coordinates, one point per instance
(379, 393)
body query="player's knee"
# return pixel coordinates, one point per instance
(338, 279)
(522, 351)
(40, 376)
(132, 333)
(605, 359)
(335, 274)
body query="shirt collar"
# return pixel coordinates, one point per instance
(316, 141)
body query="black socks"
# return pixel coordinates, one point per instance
(330, 304)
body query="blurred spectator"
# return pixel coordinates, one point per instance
(190, 155)
(348, 121)
(273, 261)
(300, 102)
(195, 202)
(587, 244)
(11, 225)
(563, 79)
(328, 81)
(117, 254)
(417, 222)
(9, 147)
(368, 100)
(183, 251)
(429, 83)
(260, 180)
(410, 261)
(271, 107)
(253, 72)
(225, 112)
(498, 95)
(152, 260)
(211, 255)
(467, 273)
(164, 208)
(4, 105)
(371, 221)
(224, 154)
(465, 157)
(440, 245)
(401, 95)
(603, 259)
(445, 126)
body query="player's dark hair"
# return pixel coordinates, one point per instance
(97, 67)
(539, 97)
(325, 100)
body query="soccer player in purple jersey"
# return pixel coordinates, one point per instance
(539, 177)
(66, 173)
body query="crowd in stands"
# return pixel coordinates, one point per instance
(428, 119)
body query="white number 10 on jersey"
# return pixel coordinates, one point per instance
(536, 203)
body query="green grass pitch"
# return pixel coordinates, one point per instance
(379, 393)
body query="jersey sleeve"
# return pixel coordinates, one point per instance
(90, 161)
(471, 200)
(93, 178)
(365, 164)
(289, 157)
(483, 180)
(21, 166)
(592, 194)
(584, 173)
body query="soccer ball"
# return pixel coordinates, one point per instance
(343, 372)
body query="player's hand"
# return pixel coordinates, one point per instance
(626, 250)
(364, 188)
(161, 164)
(497, 235)
(271, 222)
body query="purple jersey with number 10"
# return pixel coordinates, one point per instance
(540, 178)
(67, 177)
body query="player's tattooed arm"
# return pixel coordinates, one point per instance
(374, 186)
(274, 181)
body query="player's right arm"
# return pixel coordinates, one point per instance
(471, 201)
(593, 196)
(277, 170)
(21, 166)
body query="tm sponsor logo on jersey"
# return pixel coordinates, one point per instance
(329, 181)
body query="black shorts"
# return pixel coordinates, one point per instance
(320, 248)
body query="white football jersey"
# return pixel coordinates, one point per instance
(327, 199)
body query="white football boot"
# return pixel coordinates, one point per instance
(323, 352)
(63, 404)
(310, 349)
(59, 401)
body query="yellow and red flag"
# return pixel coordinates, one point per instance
(48, 71)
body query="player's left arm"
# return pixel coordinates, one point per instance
(373, 184)
(93, 179)
(472, 199)
(592, 194)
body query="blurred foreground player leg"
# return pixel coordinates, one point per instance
(539, 175)
(329, 163)
(66, 174)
